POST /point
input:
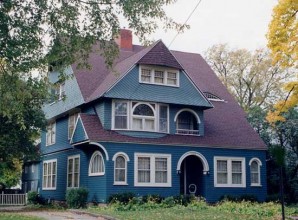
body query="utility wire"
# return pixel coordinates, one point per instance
(185, 22)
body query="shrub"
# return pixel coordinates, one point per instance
(124, 197)
(76, 198)
(152, 198)
(33, 197)
(184, 199)
(245, 197)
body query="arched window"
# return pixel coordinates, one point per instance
(120, 168)
(255, 176)
(143, 117)
(96, 166)
(187, 123)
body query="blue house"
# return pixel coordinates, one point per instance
(160, 122)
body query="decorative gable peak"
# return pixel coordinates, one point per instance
(161, 56)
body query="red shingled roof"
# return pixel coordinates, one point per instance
(225, 124)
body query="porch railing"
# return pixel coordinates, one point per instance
(187, 132)
(13, 199)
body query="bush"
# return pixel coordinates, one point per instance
(33, 197)
(245, 197)
(152, 198)
(76, 198)
(124, 197)
(184, 199)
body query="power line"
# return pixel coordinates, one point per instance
(185, 22)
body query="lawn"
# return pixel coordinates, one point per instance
(12, 216)
(196, 210)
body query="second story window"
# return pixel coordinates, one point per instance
(187, 123)
(140, 116)
(159, 75)
(143, 117)
(51, 134)
(72, 119)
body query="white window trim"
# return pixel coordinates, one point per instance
(195, 114)
(32, 168)
(125, 156)
(259, 170)
(74, 125)
(69, 158)
(91, 159)
(61, 91)
(130, 116)
(143, 117)
(229, 170)
(152, 170)
(53, 125)
(158, 68)
(50, 161)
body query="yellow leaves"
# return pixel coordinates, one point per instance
(283, 106)
(283, 33)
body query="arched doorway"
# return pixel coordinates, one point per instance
(192, 166)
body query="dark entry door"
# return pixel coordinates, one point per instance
(191, 174)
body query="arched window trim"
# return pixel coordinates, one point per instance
(91, 161)
(126, 158)
(184, 131)
(143, 117)
(255, 159)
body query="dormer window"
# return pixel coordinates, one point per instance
(159, 75)
(212, 97)
(187, 122)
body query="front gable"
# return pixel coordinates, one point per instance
(130, 87)
(79, 134)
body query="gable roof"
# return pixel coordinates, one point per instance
(160, 55)
(225, 124)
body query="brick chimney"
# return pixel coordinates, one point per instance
(124, 40)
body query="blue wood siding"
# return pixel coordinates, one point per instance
(62, 141)
(101, 187)
(104, 112)
(79, 133)
(186, 94)
(73, 94)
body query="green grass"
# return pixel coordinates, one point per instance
(197, 210)
(12, 216)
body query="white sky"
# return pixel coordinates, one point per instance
(240, 23)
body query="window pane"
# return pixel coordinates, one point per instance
(69, 182)
(76, 165)
(70, 165)
(144, 110)
(161, 177)
(222, 166)
(120, 108)
(54, 181)
(149, 125)
(236, 166)
(120, 175)
(144, 176)
(121, 122)
(163, 118)
(236, 178)
(120, 162)
(158, 76)
(145, 75)
(161, 164)
(254, 178)
(254, 166)
(222, 178)
(172, 78)
(121, 115)
(137, 124)
(143, 163)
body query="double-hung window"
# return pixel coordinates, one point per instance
(120, 115)
(159, 75)
(73, 171)
(51, 133)
(96, 166)
(229, 172)
(153, 170)
(120, 168)
(72, 119)
(49, 175)
(255, 175)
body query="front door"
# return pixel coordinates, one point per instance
(191, 176)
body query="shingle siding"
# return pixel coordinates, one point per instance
(185, 94)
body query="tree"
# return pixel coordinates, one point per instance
(283, 42)
(249, 76)
(34, 34)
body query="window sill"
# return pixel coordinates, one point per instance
(120, 184)
(48, 188)
(47, 145)
(152, 185)
(96, 174)
(255, 185)
(230, 186)
(159, 84)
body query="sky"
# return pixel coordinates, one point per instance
(239, 23)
